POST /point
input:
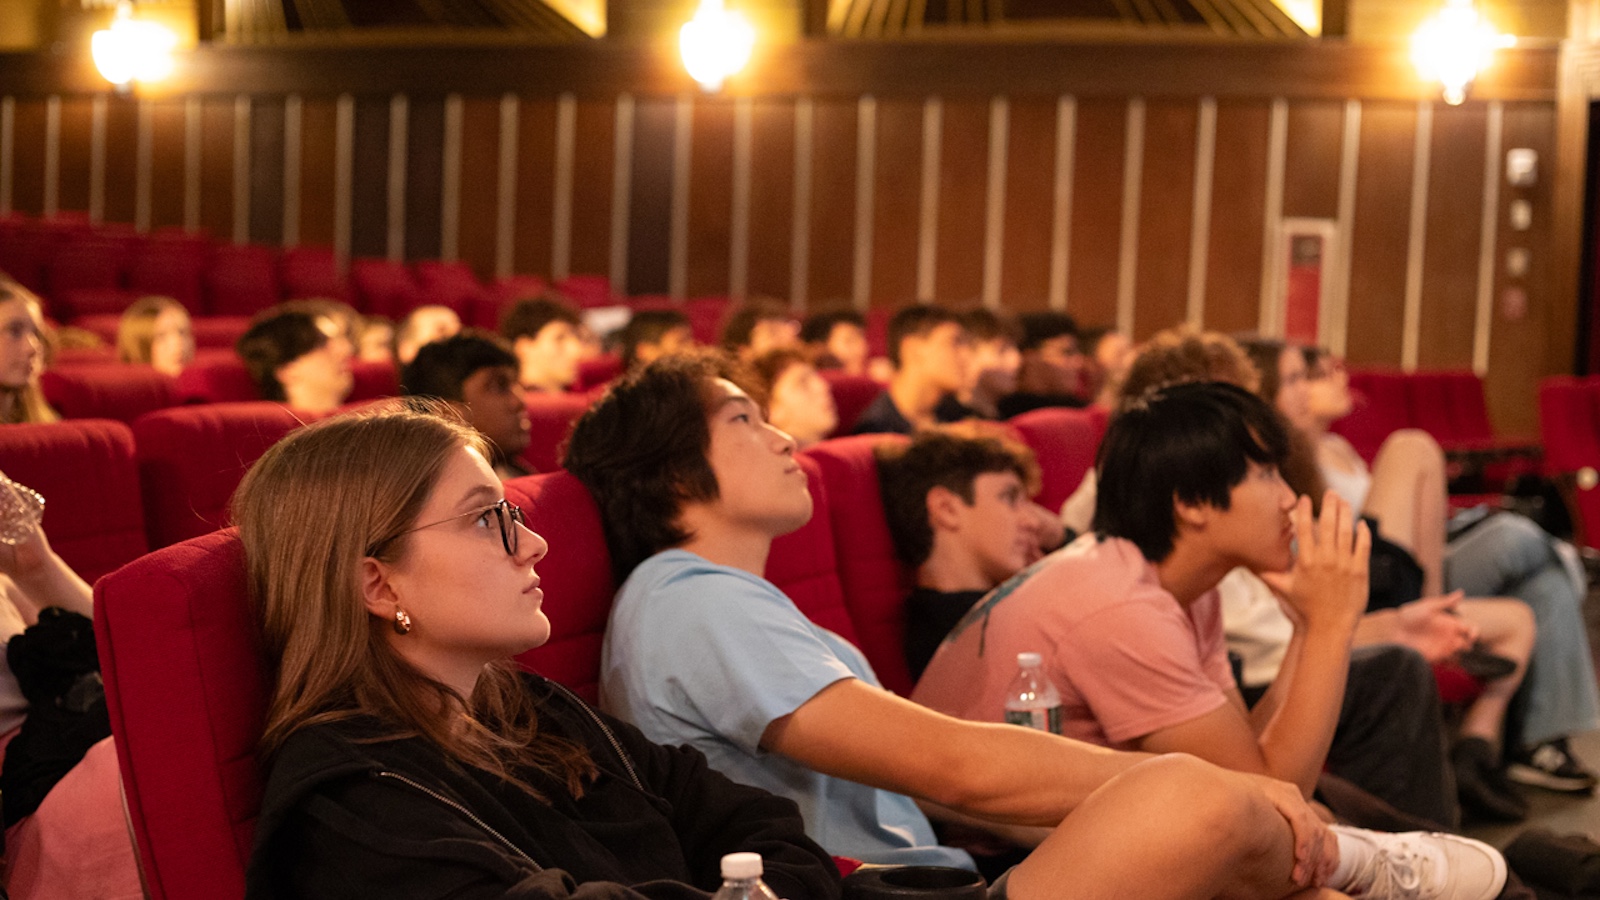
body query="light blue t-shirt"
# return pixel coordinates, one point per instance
(709, 656)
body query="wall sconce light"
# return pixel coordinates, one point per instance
(132, 50)
(1455, 46)
(715, 43)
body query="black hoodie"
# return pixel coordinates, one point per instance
(347, 816)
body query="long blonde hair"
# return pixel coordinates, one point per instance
(27, 405)
(313, 507)
(136, 330)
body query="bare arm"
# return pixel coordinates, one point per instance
(44, 578)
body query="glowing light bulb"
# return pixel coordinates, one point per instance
(715, 43)
(132, 50)
(1454, 47)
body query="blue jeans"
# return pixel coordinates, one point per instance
(1507, 555)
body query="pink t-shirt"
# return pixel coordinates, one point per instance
(1126, 657)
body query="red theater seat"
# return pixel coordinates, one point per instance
(852, 394)
(171, 266)
(586, 290)
(107, 391)
(310, 272)
(597, 372)
(1065, 442)
(449, 284)
(550, 417)
(804, 565)
(384, 287)
(220, 379)
(242, 280)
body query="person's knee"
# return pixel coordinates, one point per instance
(1413, 441)
(1220, 809)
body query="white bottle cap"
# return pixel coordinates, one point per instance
(1029, 660)
(741, 865)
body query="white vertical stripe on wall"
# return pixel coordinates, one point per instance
(561, 204)
(800, 229)
(1421, 162)
(866, 177)
(143, 163)
(1128, 241)
(191, 164)
(739, 214)
(994, 213)
(1061, 214)
(621, 193)
(450, 181)
(1270, 320)
(399, 115)
(1488, 236)
(1205, 164)
(505, 212)
(678, 232)
(52, 154)
(343, 176)
(97, 158)
(928, 208)
(8, 150)
(293, 121)
(1339, 292)
(241, 169)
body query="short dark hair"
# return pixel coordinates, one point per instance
(276, 338)
(442, 366)
(916, 321)
(1189, 442)
(985, 324)
(1038, 327)
(934, 458)
(528, 317)
(1266, 353)
(647, 326)
(641, 451)
(742, 321)
(818, 327)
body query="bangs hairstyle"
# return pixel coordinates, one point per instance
(1191, 443)
(641, 451)
(440, 368)
(941, 457)
(352, 486)
(277, 338)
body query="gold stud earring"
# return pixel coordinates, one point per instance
(402, 621)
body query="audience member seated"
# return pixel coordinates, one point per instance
(931, 354)
(995, 361)
(1051, 373)
(1107, 354)
(298, 358)
(759, 325)
(651, 334)
(693, 486)
(407, 758)
(543, 333)
(477, 375)
(376, 344)
(155, 331)
(423, 325)
(838, 337)
(22, 356)
(1189, 490)
(798, 400)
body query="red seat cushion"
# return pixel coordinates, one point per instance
(384, 287)
(449, 284)
(550, 418)
(107, 391)
(852, 394)
(217, 380)
(311, 272)
(242, 280)
(803, 564)
(1065, 442)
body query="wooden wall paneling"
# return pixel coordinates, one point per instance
(73, 168)
(480, 159)
(1030, 193)
(1380, 235)
(963, 192)
(897, 198)
(369, 187)
(266, 170)
(833, 202)
(27, 172)
(1311, 159)
(710, 196)
(166, 164)
(1166, 204)
(216, 166)
(650, 206)
(595, 130)
(771, 196)
(318, 151)
(1450, 259)
(122, 159)
(1238, 209)
(536, 155)
(1097, 210)
(424, 176)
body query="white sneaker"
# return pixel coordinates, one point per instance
(1424, 865)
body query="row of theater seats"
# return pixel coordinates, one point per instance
(1569, 427)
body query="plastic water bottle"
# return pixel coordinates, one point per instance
(741, 879)
(1031, 700)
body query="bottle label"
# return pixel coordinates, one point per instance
(1042, 718)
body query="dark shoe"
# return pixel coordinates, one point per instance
(1552, 766)
(1484, 790)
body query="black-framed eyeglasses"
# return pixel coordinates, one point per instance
(507, 513)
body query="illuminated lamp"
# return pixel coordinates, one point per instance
(132, 50)
(1455, 46)
(715, 43)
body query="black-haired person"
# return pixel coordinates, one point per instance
(838, 337)
(758, 325)
(545, 334)
(298, 358)
(995, 362)
(1051, 373)
(651, 334)
(693, 486)
(476, 374)
(931, 353)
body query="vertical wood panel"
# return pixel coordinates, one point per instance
(833, 202)
(536, 155)
(369, 188)
(896, 202)
(963, 164)
(1311, 170)
(266, 170)
(424, 177)
(650, 206)
(216, 167)
(72, 192)
(1233, 268)
(1450, 281)
(1381, 229)
(318, 150)
(710, 196)
(122, 159)
(771, 195)
(166, 164)
(480, 156)
(1161, 293)
(1030, 191)
(1096, 210)
(27, 191)
(591, 193)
